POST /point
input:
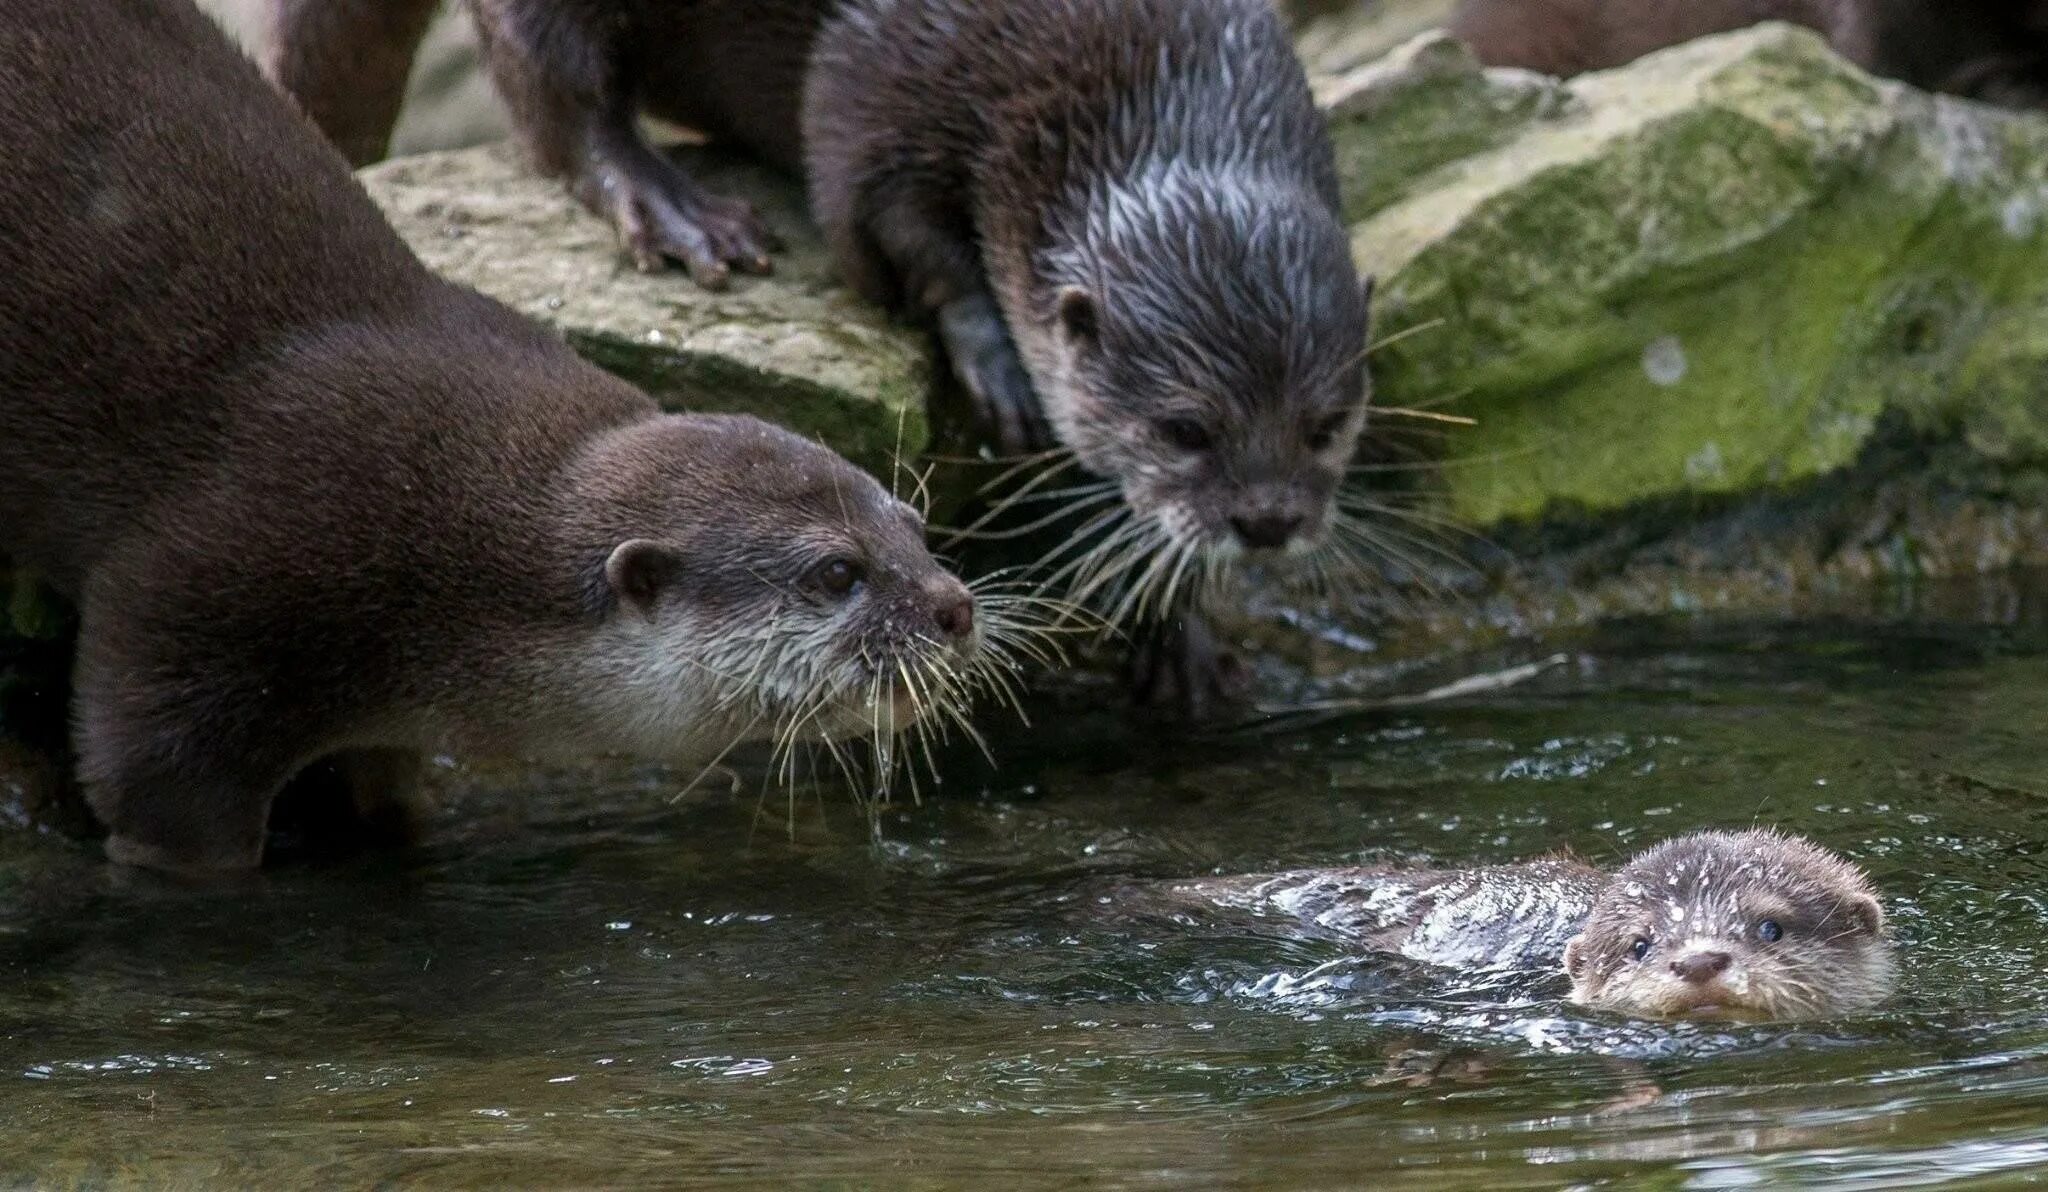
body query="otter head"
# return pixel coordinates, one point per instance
(1201, 341)
(1750, 925)
(749, 583)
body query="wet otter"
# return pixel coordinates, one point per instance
(1749, 924)
(1995, 50)
(1121, 216)
(315, 503)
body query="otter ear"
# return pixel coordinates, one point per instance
(638, 570)
(1865, 912)
(1080, 318)
(1575, 956)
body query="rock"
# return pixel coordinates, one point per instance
(1713, 271)
(1338, 35)
(795, 348)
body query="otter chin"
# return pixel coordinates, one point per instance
(1746, 925)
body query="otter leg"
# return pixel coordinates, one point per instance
(351, 801)
(1184, 667)
(346, 62)
(936, 266)
(982, 355)
(562, 70)
(182, 740)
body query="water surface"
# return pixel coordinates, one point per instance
(578, 981)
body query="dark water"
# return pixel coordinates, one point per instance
(579, 983)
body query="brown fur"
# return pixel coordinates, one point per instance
(315, 503)
(1121, 216)
(348, 62)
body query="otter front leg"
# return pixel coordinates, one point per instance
(978, 344)
(935, 267)
(355, 800)
(1182, 666)
(561, 67)
(346, 62)
(180, 746)
(175, 804)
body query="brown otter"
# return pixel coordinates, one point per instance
(1995, 50)
(315, 503)
(1121, 216)
(1749, 924)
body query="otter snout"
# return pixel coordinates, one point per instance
(953, 610)
(1267, 531)
(1271, 519)
(1700, 967)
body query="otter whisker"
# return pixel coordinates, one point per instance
(972, 534)
(1414, 516)
(1024, 463)
(1089, 539)
(744, 734)
(1427, 546)
(1424, 415)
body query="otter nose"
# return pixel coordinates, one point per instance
(955, 615)
(1267, 531)
(1701, 967)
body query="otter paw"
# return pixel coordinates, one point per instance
(984, 358)
(709, 234)
(1185, 671)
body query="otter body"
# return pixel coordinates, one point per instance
(315, 504)
(1994, 50)
(1121, 217)
(1745, 924)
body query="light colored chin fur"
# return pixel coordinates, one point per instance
(647, 694)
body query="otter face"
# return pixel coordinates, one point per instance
(1204, 347)
(773, 590)
(1750, 925)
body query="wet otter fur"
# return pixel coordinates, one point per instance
(1121, 217)
(317, 506)
(1751, 924)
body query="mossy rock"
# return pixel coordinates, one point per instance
(1712, 271)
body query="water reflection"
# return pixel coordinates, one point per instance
(577, 982)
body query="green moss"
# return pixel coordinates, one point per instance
(1717, 273)
(875, 430)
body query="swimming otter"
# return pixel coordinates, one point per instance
(315, 503)
(1994, 50)
(1121, 216)
(1749, 924)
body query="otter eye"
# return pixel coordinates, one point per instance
(1641, 948)
(1186, 434)
(1326, 432)
(838, 577)
(1769, 932)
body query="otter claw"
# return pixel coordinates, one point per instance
(707, 234)
(984, 358)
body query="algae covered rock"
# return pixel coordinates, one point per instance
(795, 348)
(1715, 270)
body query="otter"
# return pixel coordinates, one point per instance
(1994, 50)
(319, 508)
(1752, 925)
(1121, 217)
